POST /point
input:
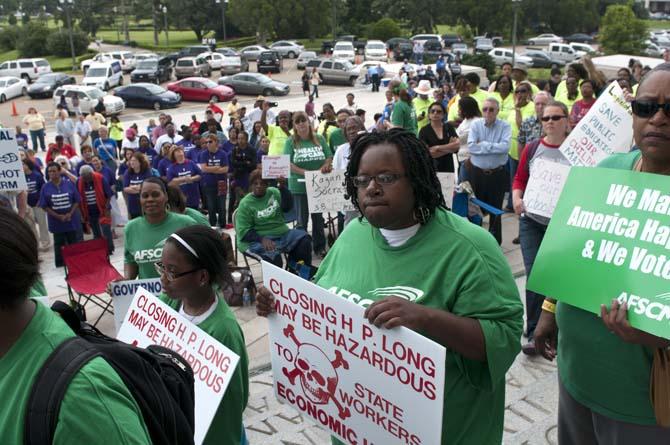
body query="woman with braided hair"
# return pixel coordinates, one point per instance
(459, 290)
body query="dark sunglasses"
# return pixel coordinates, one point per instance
(435, 111)
(521, 91)
(555, 117)
(488, 109)
(647, 108)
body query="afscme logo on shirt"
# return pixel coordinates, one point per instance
(406, 292)
(148, 255)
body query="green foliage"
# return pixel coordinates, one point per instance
(621, 32)
(384, 29)
(12, 19)
(8, 38)
(464, 30)
(561, 17)
(417, 15)
(481, 60)
(33, 41)
(25, 18)
(59, 43)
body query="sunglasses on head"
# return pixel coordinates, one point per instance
(555, 117)
(648, 108)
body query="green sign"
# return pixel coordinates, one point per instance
(609, 237)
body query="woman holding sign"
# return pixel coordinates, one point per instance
(532, 227)
(605, 366)
(457, 287)
(193, 270)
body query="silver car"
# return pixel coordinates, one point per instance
(288, 48)
(192, 67)
(252, 52)
(305, 57)
(334, 70)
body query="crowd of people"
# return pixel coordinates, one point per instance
(180, 181)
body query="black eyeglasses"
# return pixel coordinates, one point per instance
(171, 276)
(362, 181)
(555, 117)
(435, 111)
(648, 108)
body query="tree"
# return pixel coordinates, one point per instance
(285, 19)
(200, 17)
(384, 29)
(58, 43)
(417, 15)
(561, 17)
(33, 41)
(622, 32)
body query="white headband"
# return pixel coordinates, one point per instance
(185, 244)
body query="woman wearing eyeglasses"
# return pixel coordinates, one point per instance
(523, 109)
(440, 138)
(144, 236)
(460, 290)
(193, 271)
(532, 227)
(214, 165)
(605, 364)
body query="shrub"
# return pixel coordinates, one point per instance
(59, 43)
(621, 32)
(384, 29)
(8, 38)
(33, 41)
(481, 60)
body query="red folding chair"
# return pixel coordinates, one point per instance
(87, 273)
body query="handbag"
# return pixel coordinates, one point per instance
(659, 387)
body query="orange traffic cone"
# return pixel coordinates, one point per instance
(14, 112)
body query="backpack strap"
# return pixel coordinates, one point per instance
(532, 149)
(50, 386)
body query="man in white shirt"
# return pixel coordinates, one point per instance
(83, 130)
(255, 115)
(351, 106)
(170, 136)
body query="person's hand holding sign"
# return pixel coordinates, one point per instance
(616, 320)
(392, 312)
(265, 302)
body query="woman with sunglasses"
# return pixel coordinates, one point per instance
(214, 165)
(193, 271)
(532, 227)
(308, 151)
(605, 366)
(440, 138)
(144, 236)
(463, 295)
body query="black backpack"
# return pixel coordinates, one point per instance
(159, 379)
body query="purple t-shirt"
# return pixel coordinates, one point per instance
(192, 190)
(259, 156)
(163, 166)
(60, 198)
(133, 199)
(194, 154)
(188, 146)
(35, 182)
(123, 168)
(106, 173)
(150, 153)
(216, 159)
(80, 165)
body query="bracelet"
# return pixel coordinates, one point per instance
(549, 306)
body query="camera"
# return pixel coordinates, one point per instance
(273, 104)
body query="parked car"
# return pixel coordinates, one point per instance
(233, 62)
(432, 49)
(11, 87)
(125, 58)
(192, 66)
(103, 75)
(155, 70)
(143, 56)
(563, 51)
(541, 59)
(335, 71)
(88, 98)
(329, 45)
(662, 40)
(394, 41)
(502, 55)
(584, 48)
(460, 48)
(496, 41)
(402, 51)
(215, 60)
(269, 62)
(252, 52)
(651, 49)
(375, 50)
(579, 38)
(46, 84)
(545, 39)
(287, 48)
(425, 37)
(483, 45)
(27, 69)
(190, 51)
(98, 58)
(254, 83)
(201, 89)
(344, 50)
(147, 95)
(449, 39)
(305, 57)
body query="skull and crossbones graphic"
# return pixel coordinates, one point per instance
(318, 375)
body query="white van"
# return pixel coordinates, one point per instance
(563, 52)
(27, 69)
(104, 75)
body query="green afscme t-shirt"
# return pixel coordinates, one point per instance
(597, 368)
(97, 407)
(264, 215)
(306, 155)
(404, 116)
(450, 265)
(144, 241)
(196, 216)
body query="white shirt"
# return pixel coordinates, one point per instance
(341, 158)
(255, 116)
(165, 138)
(197, 319)
(83, 129)
(399, 237)
(134, 144)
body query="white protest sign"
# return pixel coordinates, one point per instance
(363, 384)
(122, 293)
(275, 167)
(544, 186)
(11, 168)
(149, 321)
(448, 183)
(325, 192)
(607, 128)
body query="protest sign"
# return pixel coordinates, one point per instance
(122, 293)
(448, 183)
(362, 384)
(11, 168)
(609, 238)
(275, 167)
(325, 192)
(606, 128)
(149, 321)
(544, 186)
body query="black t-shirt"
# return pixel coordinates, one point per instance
(427, 135)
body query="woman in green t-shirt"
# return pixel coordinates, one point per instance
(453, 283)
(308, 151)
(193, 269)
(404, 115)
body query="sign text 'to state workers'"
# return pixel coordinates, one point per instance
(149, 321)
(363, 384)
(609, 238)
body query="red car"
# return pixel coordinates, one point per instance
(201, 89)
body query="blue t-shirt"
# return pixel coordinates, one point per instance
(107, 173)
(106, 148)
(123, 168)
(61, 198)
(80, 165)
(227, 147)
(188, 145)
(35, 182)
(191, 190)
(163, 166)
(89, 197)
(150, 153)
(194, 153)
(133, 199)
(21, 139)
(216, 159)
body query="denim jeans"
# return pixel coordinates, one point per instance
(102, 230)
(36, 135)
(315, 91)
(512, 165)
(216, 205)
(531, 234)
(63, 239)
(302, 212)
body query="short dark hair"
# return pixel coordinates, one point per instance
(176, 198)
(155, 180)
(360, 112)
(555, 71)
(18, 253)
(255, 176)
(505, 63)
(472, 78)
(469, 107)
(504, 76)
(661, 67)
